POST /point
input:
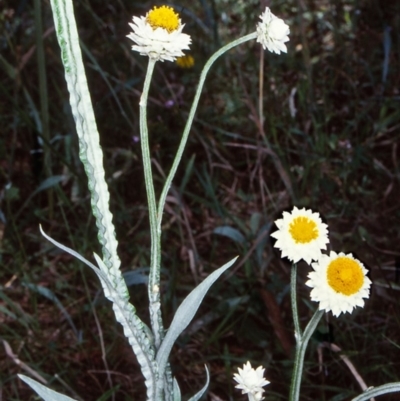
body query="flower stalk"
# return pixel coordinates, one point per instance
(155, 233)
(155, 214)
(293, 297)
(302, 339)
(192, 113)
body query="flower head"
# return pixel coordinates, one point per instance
(301, 235)
(272, 32)
(251, 381)
(186, 61)
(159, 34)
(339, 283)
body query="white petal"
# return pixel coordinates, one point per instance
(158, 43)
(272, 32)
(251, 381)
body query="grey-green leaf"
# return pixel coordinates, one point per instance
(135, 330)
(177, 391)
(185, 314)
(43, 391)
(379, 390)
(49, 183)
(230, 232)
(90, 151)
(197, 396)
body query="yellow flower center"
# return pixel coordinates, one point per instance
(303, 230)
(185, 61)
(163, 17)
(345, 275)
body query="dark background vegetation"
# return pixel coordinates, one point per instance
(338, 154)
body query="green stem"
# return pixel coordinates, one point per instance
(301, 346)
(380, 390)
(293, 296)
(155, 233)
(189, 122)
(301, 339)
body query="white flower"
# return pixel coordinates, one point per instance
(301, 235)
(272, 32)
(339, 283)
(251, 381)
(159, 34)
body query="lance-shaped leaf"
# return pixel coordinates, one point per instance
(185, 314)
(137, 333)
(379, 390)
(43, 391)
(198, 395)
(177, 391)
(90, 151)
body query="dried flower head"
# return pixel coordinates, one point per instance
(251, 381)
(272, 32)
